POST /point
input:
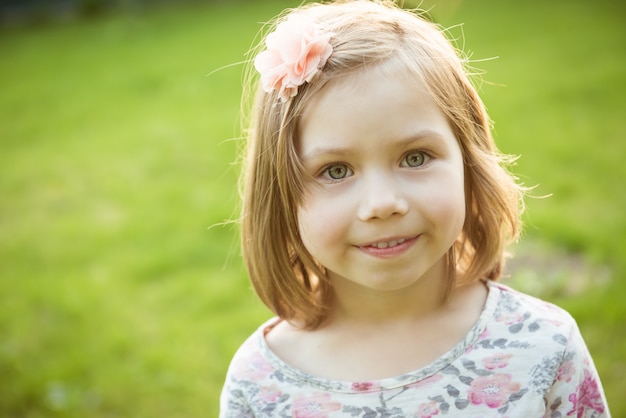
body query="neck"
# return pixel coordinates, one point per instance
(356, 304)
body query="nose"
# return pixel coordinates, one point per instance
(381, 198)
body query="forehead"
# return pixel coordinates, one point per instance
(379, 103)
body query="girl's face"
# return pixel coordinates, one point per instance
(387, 200)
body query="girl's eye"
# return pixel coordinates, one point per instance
(415, 159)
(337, 172)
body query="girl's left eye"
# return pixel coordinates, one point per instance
(415, 159)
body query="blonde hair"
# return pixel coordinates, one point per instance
(367, 33)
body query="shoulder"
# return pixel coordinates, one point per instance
(248, 371)
(250, 362)
(537, 345)
(534, 325)
(517, 307)
(533, 322)
(563, 370)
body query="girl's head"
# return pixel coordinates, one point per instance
(351, 38)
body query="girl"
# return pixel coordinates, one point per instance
(376, 212)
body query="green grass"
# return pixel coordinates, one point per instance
(116, 296)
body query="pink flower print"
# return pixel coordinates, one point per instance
(365, 386)
(587, 397)
(270, 394)
(315, 405)
(497, 361)
(255, 369)
(493, 391)
(566, 371)
(484, 334)
(427, 410)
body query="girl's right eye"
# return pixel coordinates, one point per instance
(337, 172)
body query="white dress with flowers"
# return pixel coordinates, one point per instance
(523, 358)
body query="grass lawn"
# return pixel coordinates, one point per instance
(122, 292)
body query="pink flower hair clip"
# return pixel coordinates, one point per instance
(295, 52)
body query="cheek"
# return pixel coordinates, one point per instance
(447, 205)
(321, 224)
(457, 209)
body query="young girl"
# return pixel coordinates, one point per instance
(376, 212)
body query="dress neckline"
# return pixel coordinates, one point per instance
(302, 378)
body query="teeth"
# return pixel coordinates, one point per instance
(382, 245)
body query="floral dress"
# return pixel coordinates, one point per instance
(523, 358)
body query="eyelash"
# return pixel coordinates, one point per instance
(325, 173)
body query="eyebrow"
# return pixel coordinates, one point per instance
(321, 151)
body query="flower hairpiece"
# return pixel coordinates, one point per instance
(295, 52)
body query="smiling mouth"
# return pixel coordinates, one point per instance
(390, 248)
(388, 244)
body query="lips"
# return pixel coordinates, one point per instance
(389, 247)
(387, 244)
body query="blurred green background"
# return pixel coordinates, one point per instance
(122, 292)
